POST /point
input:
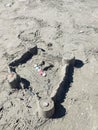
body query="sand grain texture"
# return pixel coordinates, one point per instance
(58, 28)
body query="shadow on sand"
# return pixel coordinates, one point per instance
(60, 96)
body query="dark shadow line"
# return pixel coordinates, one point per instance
(64, 85)
(63, 89)
(24, 58)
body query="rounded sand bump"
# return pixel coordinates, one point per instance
(46, 107)
(14, 80)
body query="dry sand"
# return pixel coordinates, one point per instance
(60, 28)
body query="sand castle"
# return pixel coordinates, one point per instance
(46, 105)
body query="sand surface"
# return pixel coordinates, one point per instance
(59, 28)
